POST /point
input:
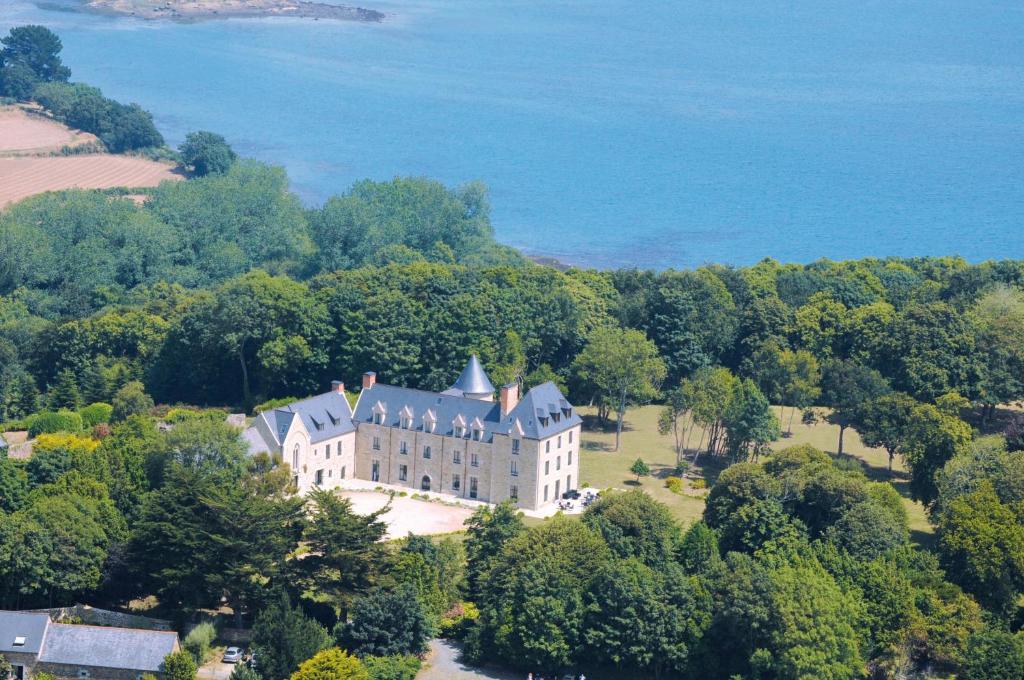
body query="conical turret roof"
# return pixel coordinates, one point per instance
(474, 380)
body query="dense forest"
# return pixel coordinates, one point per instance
(119, 320)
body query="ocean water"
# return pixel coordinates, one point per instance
(660, 134)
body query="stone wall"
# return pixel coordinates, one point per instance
(104, 617)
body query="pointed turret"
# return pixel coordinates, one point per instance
(473, 383)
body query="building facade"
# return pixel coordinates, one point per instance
(460, 442)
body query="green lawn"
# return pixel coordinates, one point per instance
(602, 467)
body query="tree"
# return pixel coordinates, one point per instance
(386, 622)
(638, 618)
(799, 381)
(846, 387)
(179, 666)
(885, 421)
(622, 365)
(670, 420)
(994, 654)
(243, 671)
(981, 544)
(13, 485)
(935, 438)
(635, 525)
(331, 664)
(206, 153)
(345, 549)
(488, 530)
(999, 319)
(282, 638)
(640, 469)
(37, 48)
(130, 400)
(813, 631)
(532, 605)
(748, 420)
(709, 392)
(65, 394)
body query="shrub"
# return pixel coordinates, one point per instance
(198, 641)
(681, 468)
(130, 400)
(331, 663)
(272, 404)
(699, 484)
(179, 666)
(55, 421)
(457, 620)
(674, 484)
(398, 667)
(94, 414)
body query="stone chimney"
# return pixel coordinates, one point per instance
(509, 397)
(338, 386)
(369, 380)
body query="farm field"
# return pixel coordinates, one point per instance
(602, 467)
(31, 162)
(27, 176)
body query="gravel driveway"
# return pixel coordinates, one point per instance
(410, 515)
(443, 664)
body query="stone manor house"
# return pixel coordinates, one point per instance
(459, 442)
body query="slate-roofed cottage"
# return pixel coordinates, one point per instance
(33, 643)
(459, 441)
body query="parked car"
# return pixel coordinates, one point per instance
(571, 495)
(232, 655)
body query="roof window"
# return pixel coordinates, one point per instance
(19, 641)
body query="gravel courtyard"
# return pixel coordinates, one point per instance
(409, 515)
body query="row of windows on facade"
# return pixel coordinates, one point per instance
(426, 482)
(403, 447)
(327, 454)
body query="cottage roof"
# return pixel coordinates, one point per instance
(28, 628)
(128, 648)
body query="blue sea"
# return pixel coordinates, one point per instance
(660, 134)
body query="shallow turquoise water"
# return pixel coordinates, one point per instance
(648, 133)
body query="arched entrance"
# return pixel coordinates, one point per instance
(425, 483)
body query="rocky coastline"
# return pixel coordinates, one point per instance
(196, 10)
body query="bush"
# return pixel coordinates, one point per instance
(198, 641)
(206, 153)
(398, 667)
(272, 404)
(130, 400)
(179, 666)
(94, 414)
(55, 421)
(457, 620)
(674, 484)
(699, 484)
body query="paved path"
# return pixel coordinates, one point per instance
(443, 664)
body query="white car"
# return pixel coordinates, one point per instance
(232, 655)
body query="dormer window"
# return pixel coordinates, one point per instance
(460, 432)
(478, 435)
(334, 421)
(378, 413)
(317, 424)
(406, 423)
(459, 426)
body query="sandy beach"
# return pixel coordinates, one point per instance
(195, 10)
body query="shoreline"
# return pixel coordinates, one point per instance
(206, 10)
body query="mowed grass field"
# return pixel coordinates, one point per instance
(602, 467)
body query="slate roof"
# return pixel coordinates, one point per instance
(325, 416)
(472, 380)
(129, 648)
(536, 412)
(30, 625)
